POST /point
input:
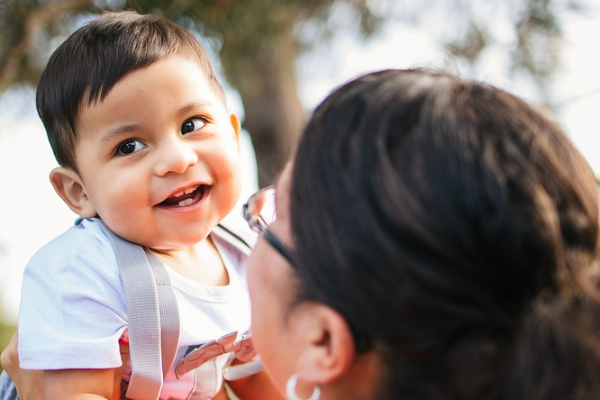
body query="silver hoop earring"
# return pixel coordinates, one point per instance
(290, 390)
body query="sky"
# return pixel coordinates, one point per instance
(31, 213)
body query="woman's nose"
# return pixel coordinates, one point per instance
(175, 156)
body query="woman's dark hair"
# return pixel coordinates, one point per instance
(85, 67)
(457, 226)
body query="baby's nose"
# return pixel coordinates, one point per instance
(176, 157)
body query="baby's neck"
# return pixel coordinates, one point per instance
(201, 263)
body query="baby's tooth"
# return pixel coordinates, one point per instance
(185, 202)
(190, 190)
(178, 194)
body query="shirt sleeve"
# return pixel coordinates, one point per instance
(72, 304)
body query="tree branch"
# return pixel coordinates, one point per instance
(34, 22)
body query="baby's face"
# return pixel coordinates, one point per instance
(159, 156)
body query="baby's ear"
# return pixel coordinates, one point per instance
(69, 187)
(237, 127)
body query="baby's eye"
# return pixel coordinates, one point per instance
(130, 147)
(192, 125)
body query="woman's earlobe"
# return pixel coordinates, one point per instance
(70, 189)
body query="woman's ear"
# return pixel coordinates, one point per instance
(69, 187)
(329, 350)
(329, 360)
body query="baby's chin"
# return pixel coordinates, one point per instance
(175, 245)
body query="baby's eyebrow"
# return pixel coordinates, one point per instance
(193, 106)
(117, 132)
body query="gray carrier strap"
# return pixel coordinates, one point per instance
(152, 309)
(153, 317)
(241, 240)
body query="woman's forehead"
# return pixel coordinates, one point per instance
(283, 186)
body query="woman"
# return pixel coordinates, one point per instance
(442, 239)
(435, 239)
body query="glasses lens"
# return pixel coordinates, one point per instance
(260, 209)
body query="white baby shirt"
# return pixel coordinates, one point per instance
(73, 308)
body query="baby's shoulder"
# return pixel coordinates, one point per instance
(84, 243)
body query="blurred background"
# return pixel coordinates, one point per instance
(277, 60)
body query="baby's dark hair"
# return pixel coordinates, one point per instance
(457, 227)
(95, 58)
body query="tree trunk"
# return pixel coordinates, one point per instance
(274, 115)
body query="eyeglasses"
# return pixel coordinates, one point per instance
(259, 212)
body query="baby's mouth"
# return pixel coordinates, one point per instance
(186, 198)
